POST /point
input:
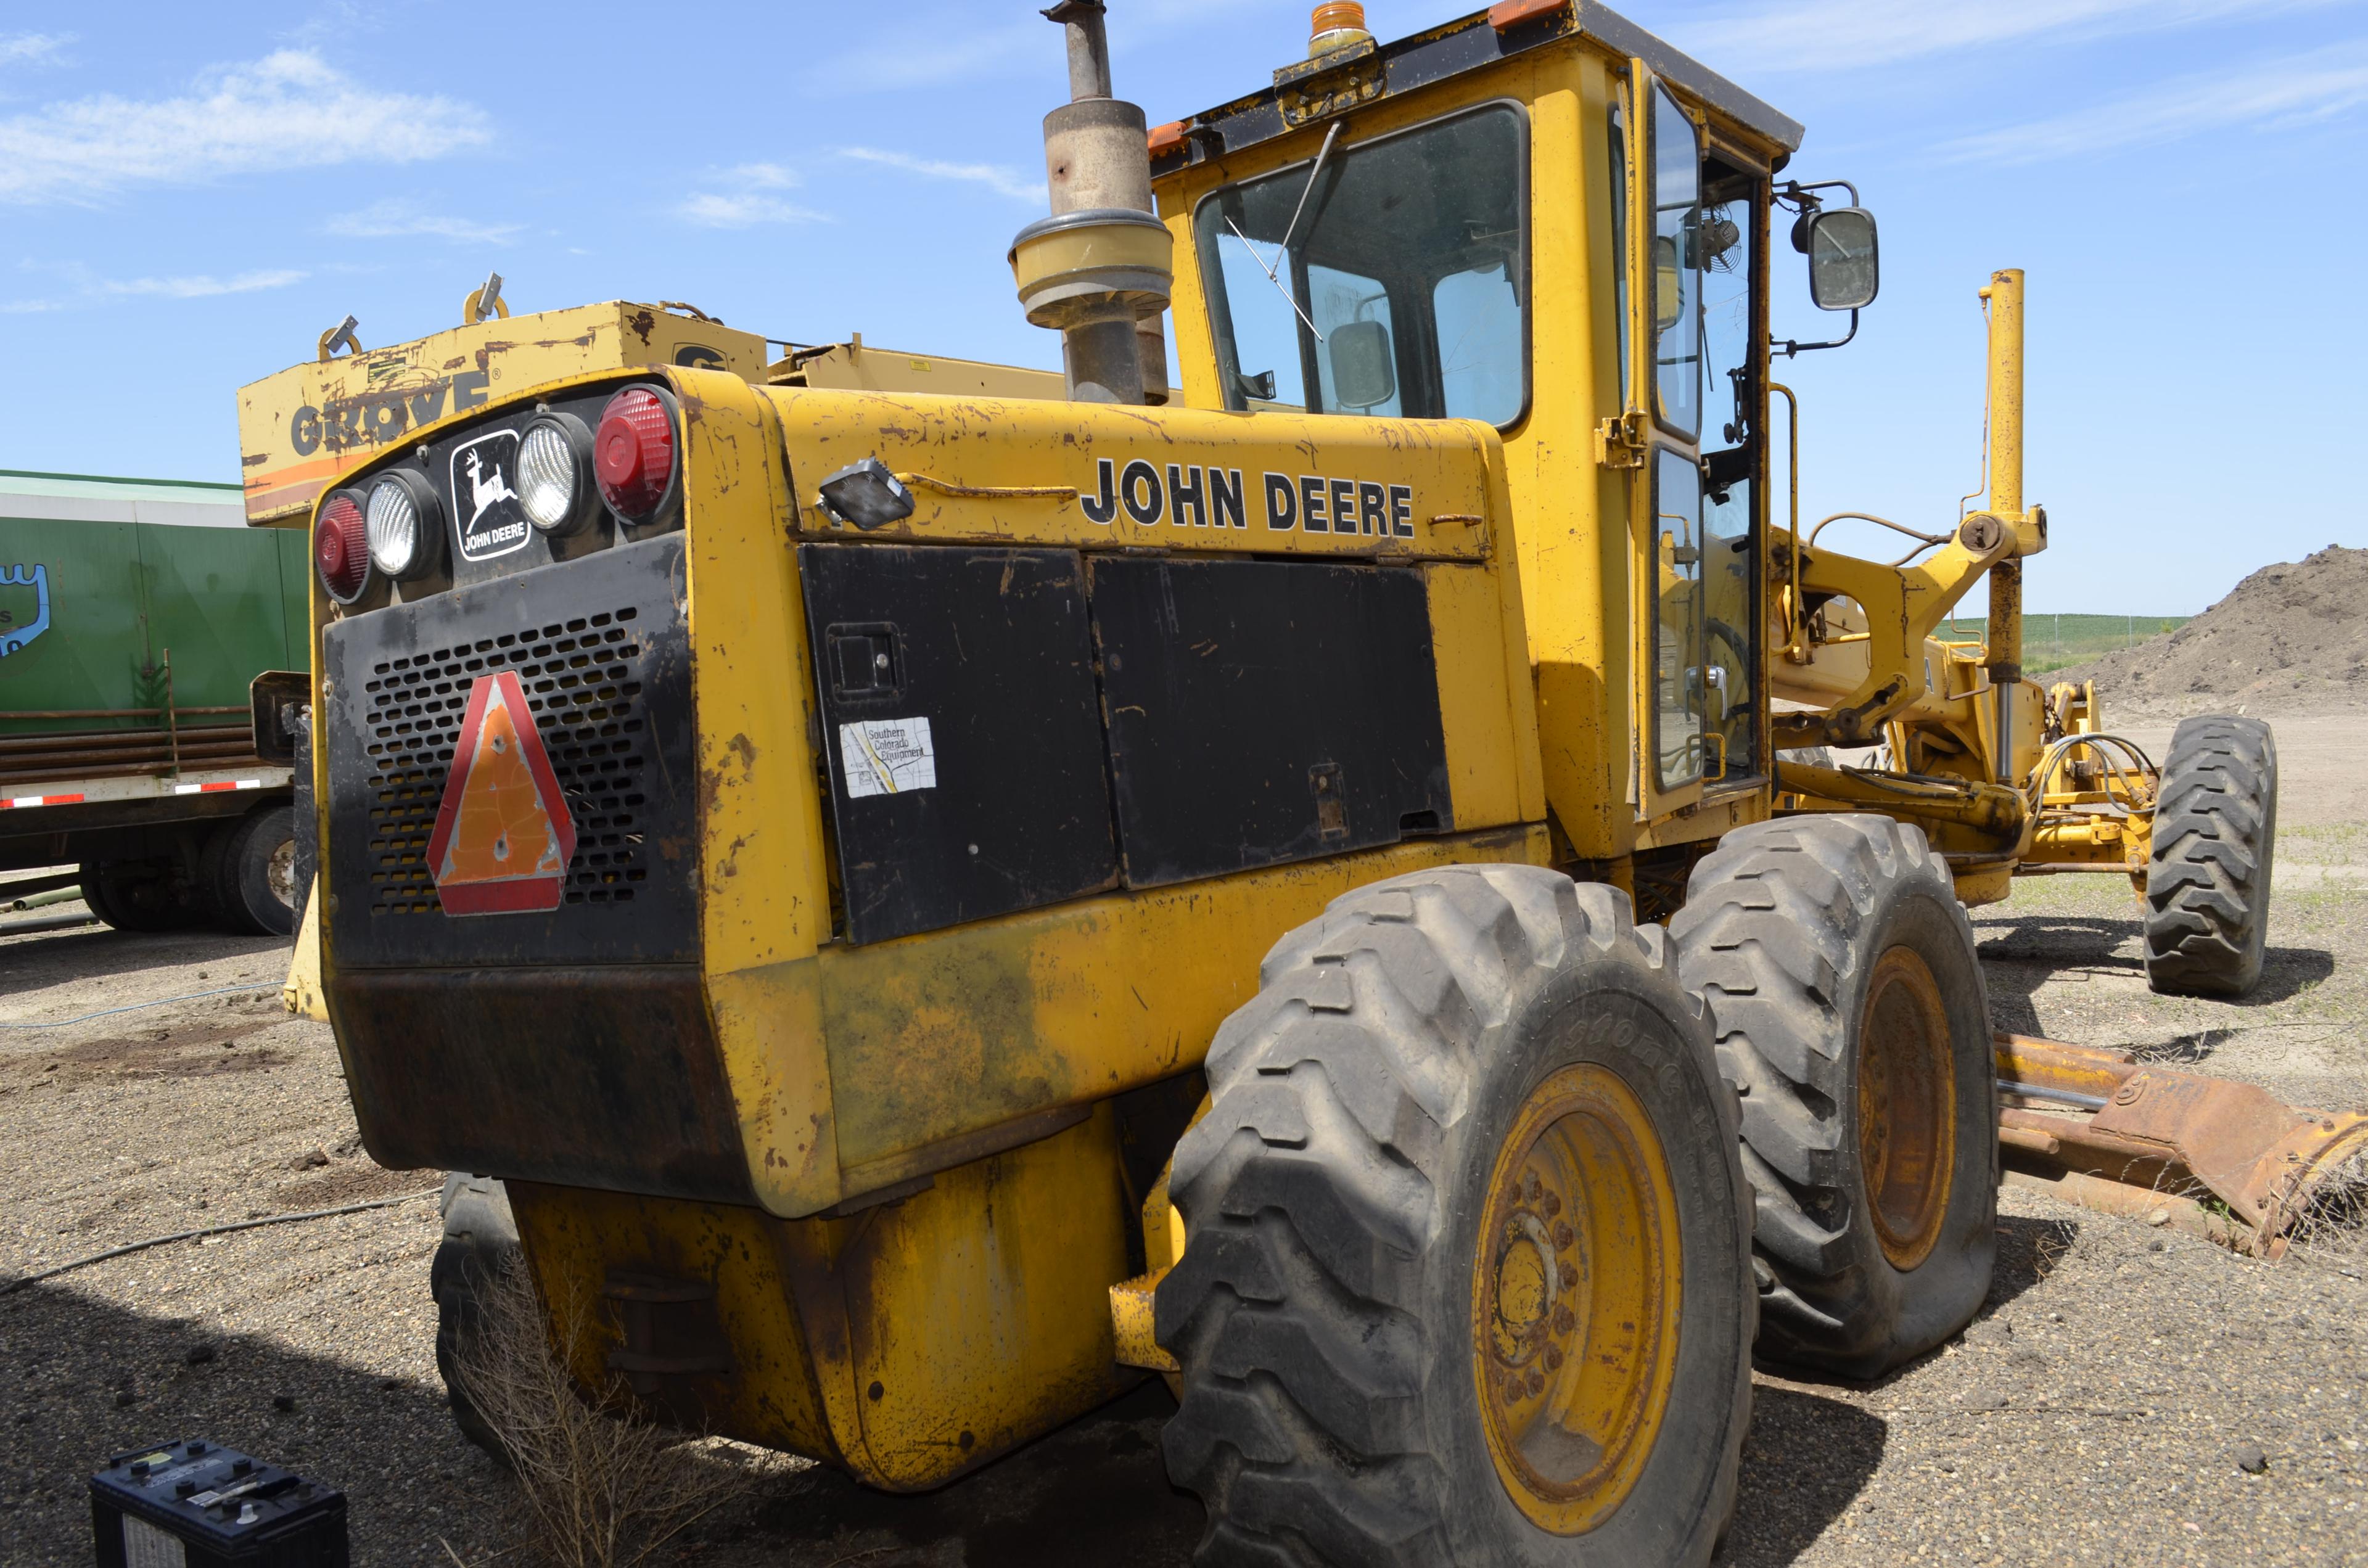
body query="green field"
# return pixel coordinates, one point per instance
(2058, 642)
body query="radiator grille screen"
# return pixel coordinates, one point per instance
(584, 681)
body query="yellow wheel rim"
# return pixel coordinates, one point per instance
(1574, 1300)
(1906, 1107)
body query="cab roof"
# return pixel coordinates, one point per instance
(1367, 74)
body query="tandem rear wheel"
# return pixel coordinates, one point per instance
(238, 874)
(1468, 1270)
(1851, 1016)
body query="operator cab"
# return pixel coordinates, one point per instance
(1569, 244)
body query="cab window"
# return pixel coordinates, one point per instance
(1393, 279)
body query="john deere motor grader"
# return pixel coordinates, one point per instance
(932, 908)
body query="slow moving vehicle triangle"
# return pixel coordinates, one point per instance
(504, 835)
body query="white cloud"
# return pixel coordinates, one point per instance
(397, 218)
(765, 176)
(997, 179)
(91, 290)
(201, 287)
(931, 51)
(918, 56)
(17, 48)
(748, 197)
(289, 110)
(1818, 35)
(2299, 90)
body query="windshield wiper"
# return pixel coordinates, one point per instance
(1283, 251)
(1271, 276)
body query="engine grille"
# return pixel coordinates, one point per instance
(600, 646)
(583, 678)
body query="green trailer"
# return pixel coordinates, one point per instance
(134, 616)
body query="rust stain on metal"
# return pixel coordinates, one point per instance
(2167, 1139)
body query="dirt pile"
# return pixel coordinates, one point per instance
(2290, 639)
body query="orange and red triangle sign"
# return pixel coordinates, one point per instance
(504, 835)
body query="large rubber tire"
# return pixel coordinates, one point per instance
(481, 1240)
(2215, 825)
(1324, 1312)
(138, 895)
(94, 895)
(1794, 931)
(249, 873)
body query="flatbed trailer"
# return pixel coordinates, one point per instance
(134, 616)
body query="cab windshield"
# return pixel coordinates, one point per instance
(1394, 281)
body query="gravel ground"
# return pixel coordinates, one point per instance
(2095, 1414)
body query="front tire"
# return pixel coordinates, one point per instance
(1853, 1017)
(2207, 890)
(481, 1240)
(1467, 1270)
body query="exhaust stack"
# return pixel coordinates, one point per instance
(1103, 262)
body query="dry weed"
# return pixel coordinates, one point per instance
(2333, 1228)
(2051, 1246)
(600, 1485)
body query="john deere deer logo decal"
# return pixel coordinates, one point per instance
(483, 495)
(15, 633)
(491, 522)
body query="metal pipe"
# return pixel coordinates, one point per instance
(107, 713)
(134, 740)
(1982, 807)
(2003, 653)
(43, 900)
(1098, 169)
(1103, 359)
(1089, 69)
(172, 729)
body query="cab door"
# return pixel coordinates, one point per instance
(1694, 375)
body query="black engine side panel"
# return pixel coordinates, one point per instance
(1266, 711)
(960, 717)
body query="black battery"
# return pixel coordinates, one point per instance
(191, 1504)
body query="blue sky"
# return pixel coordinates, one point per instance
(190, 194)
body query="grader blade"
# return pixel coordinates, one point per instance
(2214, 1157)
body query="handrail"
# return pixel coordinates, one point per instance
(1793, 648)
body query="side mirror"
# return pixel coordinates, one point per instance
(1844, 274)
(1364, 368)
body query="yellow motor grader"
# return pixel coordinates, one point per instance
(918, 912)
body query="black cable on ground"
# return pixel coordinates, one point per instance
(20, 1282)
(160, 1002)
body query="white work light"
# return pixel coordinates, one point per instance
(554, 473)
(406, 526)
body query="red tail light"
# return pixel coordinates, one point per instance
(634, 454)
(341, 547)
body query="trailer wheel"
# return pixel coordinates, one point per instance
(2207, 890)
(481, 1239)
(1467, 1266)
(94, 895)
(1850, 1013)
(137, 896)
(248, 872)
